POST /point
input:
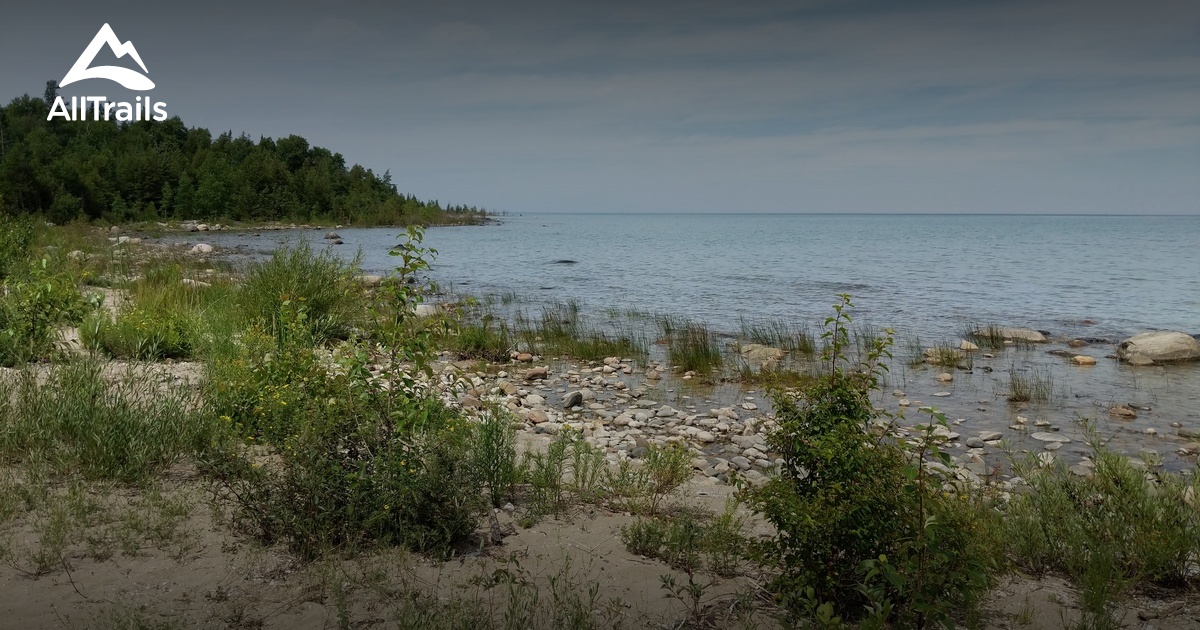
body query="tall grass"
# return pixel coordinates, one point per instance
(1032, 385)
(691, 347)
(320, 283)
(79, 422)
(779, 333)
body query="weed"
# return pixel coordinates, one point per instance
(691, 347)
(1031, 385)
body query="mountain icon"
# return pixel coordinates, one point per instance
(130, 79)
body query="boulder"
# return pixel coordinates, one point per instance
(1083, 359)
(426, 310)
(967, 346)
(1028, 335)
(201, 248)
(758, 353)
(1159, 347)
(332, 236)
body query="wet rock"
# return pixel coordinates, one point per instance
(1043, 436)
(1083, 359)
(1191, 434)
(1077, 343)
(572, 399)
(1159, 347)
(967, 346)
(536, 373)
(975, 442)
(332, 236)
(1123, 412)
(945, 377)
(1026, 335)
(758, 353)
(990, 436)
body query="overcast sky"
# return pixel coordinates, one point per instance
(805, 106)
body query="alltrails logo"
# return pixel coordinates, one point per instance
(100, 108)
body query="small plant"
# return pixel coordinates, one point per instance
(691, 347)
(990, 337)
(1032, 385)
(321, 282)
(496, 454)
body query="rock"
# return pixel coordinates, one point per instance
(945, 377)
(941, 394)
(759, 353)
(188, 282)
(974, 442)
(967, 346)
(990, 436)
(533, 400)
(1023, 334)
(426, 310)
(525, 357)
(537, 416)
(201, 248)
(536, 373)
(114, 230)
(469, 402)
(1159, 347)
(1083, 359)
(370, 280)
(904, 402)
(1043, 436)
(1077, 343)
(572, 399)
(77, 255)
(1191, 434)
(331, 236)
(1124, 412)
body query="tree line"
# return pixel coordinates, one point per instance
(141, 171)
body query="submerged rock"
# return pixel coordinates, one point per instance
(201, 248)
(1159, 347)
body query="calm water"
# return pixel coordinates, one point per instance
(927, 274)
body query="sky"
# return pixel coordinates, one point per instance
(1040, 106)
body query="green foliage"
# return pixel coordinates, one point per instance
(318, 288)
(1031, 385)
(16, 238)
(1106, 531)
(164, 317)
(691, 347)
(78, 421)
(489, 340)
(779, 333)
(863, 529)
(38, 298)
(360, 458)
(690, 542)
(145, 170)
(496, 454)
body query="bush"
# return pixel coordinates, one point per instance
(863, 529)
(16, 237)
(691, 347)
(37, 300)
(322, 283)
(689, 542)
(80, 422)
(1108, 530)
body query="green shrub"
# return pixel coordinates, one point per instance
(78, 421)
(488, 340)
(1108, 530)
(37, 300)
(496, 454)
(320, 282)
(16, 238)
(863, 529)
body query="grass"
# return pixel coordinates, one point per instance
(321, 283)
(779, 333)
(990, 337)
(1107, 532)
(691, 347)
(80, 422)
(1030, 385)
(690, 541)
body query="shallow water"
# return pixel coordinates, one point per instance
(928, 276)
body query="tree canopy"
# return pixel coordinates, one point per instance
(140, 171)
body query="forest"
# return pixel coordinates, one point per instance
(105, 171)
